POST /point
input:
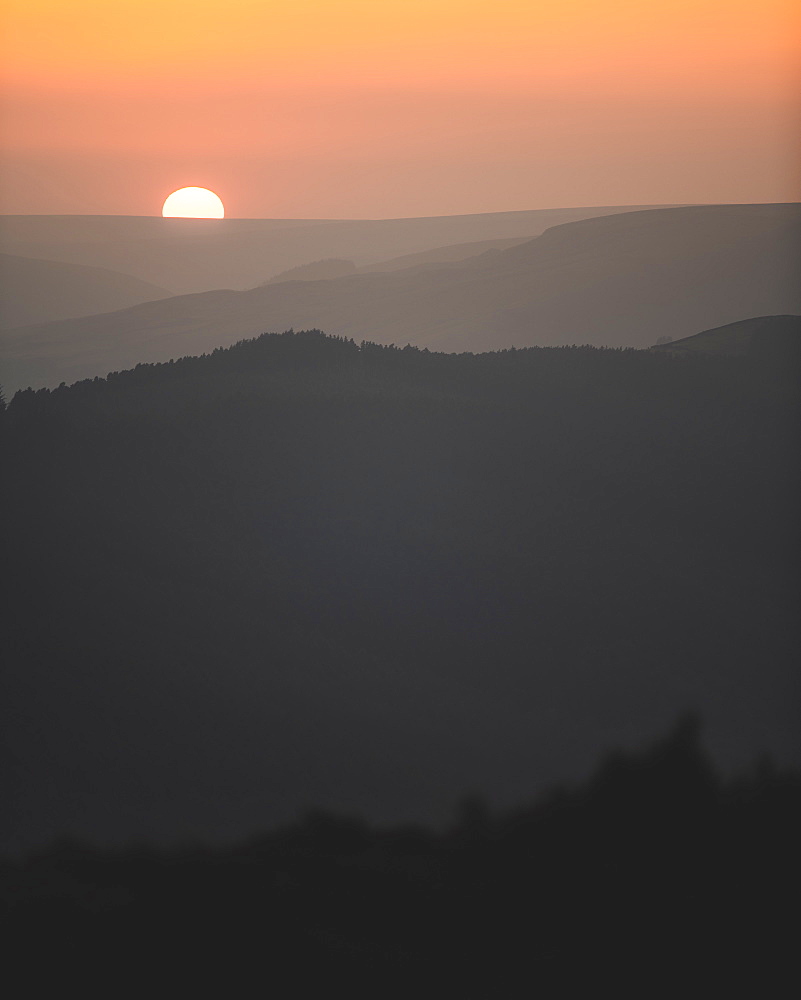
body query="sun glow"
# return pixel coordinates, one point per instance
(193, 203)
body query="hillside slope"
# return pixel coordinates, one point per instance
(621, 280)
(316, 270)
(303, 572)
(739, 339)
(334, 268)
(442, 255)
(40, 291)
(196, 255)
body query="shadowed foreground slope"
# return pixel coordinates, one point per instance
(653, 874)
(303, 572)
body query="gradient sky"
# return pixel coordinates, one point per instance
(386, 108)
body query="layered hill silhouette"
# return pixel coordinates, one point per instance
(620, 280)
(442, 255)
(301, 571)
(317, 270)
(39, 291)
(337, 268)
(744, 338)
(195, 255)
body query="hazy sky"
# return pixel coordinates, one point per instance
(377, 108)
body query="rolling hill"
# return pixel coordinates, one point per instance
(334, 268)
(300, 571)
(317, 270)
(620, 280)
(738, 339)
(196, 255)
(442, 255)
(40, 291)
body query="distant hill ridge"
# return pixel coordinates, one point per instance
(443, 255)
(318, 270)
(620, 280)
(738, 339)
(195, 255)
(41, 291)
(336, 268)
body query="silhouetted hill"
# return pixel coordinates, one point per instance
(301, 571)
(620, 280)
(442, 255)
(39, 291)
(197, 255)
(654, 867)
(738, 339)
(336, 268)
(318, 270)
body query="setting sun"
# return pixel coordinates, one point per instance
(193, 203)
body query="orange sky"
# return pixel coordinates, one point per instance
(369, 108)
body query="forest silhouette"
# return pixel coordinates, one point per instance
(654, 874)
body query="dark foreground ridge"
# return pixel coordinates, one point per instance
(653, 874)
